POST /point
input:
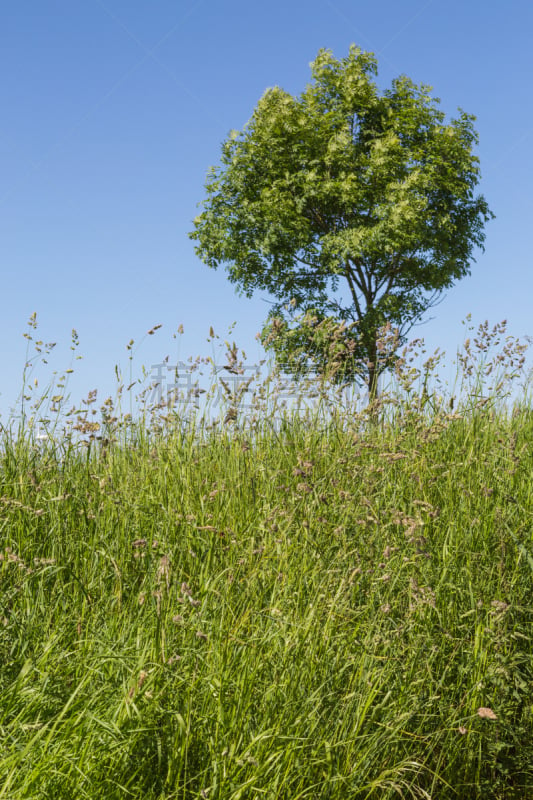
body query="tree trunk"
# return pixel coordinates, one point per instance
(373, 372)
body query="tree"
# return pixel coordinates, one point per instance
(344, 187)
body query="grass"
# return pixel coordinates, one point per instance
(331, 607)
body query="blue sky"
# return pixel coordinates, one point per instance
(113, 110)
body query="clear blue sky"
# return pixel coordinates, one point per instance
(113, 110)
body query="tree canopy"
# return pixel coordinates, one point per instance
(344, 189)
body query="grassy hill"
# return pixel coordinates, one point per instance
(318, 608)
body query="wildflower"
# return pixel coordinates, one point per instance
(486, 713)
(163, 571)
(139, 543)
(231, 416)
(499, 605)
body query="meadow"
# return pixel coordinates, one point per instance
(325, 603)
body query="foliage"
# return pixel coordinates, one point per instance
(345, 188)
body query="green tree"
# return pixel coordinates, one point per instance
(344, 188)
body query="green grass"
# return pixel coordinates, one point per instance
(320, 610)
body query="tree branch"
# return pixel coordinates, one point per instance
(349, 277)
(362, 283)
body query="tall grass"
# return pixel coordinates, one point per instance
(338, 605)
